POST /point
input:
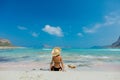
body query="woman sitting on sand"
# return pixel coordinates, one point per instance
(56, 62)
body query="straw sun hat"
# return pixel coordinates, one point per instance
(56, 51)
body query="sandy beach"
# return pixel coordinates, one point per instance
(38, 71)
(46, 75)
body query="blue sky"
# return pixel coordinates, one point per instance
(69, 23)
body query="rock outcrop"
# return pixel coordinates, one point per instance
(5, 42)
(116, 44)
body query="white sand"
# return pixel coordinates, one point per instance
(13, 71)
(46, 75)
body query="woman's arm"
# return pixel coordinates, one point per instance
(62, 64)
(51, 63)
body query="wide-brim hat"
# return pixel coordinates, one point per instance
(56, 51)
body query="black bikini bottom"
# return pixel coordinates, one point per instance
(56, 69)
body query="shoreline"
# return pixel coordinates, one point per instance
(40, 66)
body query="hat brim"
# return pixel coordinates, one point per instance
(54, 53)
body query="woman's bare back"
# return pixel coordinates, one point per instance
(57, 61)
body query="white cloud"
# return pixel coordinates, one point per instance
(93, 29)
(111, 19)
(80, 34)
(57, 31)
(22, 28)
(34, 34)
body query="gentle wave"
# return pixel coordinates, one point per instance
(68, 55)
(46, 49)
(114, 49)
(89, 56)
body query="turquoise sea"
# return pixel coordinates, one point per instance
(79, 57)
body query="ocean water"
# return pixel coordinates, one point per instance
(79, 57)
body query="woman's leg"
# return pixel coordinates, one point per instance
(60, 69)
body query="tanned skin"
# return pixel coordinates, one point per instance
(57, 62)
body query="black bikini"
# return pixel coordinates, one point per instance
(55, 69)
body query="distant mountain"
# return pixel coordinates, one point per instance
(5, 42)
(97, 47)
(113, 45)
(116, 44)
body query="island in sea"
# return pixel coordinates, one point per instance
(6, 44)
